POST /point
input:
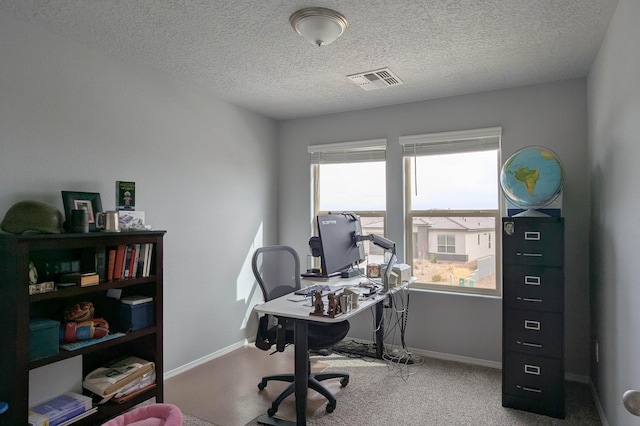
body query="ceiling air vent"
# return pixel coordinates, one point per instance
(373, 80)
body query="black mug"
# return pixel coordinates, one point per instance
(79, 221)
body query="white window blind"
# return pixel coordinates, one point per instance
(451, 142)
(348, 152)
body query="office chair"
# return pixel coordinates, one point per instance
(277, 270)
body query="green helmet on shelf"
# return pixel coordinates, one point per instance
(32, 216)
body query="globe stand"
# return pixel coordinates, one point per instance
(531, 213)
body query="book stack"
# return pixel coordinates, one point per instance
(110, 379)
(82, 279)
(62, 410)
(129, 261)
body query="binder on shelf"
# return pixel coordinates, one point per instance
(117, 267)
(147, 263)
(101, 263)
(141, 260)
(127, 262)
(111, 264)
(134, 261)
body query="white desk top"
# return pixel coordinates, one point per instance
(299, 307)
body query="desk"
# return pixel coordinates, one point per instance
(379, 308)
(299, 314)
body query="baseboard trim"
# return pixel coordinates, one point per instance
(421, 352)
(585, 380)
(443, 356)
(457, 358)
(200, 361)
(594, 393)
(475, 361)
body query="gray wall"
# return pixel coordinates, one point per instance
(205, 170)
(614, 152)
(214, 176)
(553, 115)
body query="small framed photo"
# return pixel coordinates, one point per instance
(82, 200)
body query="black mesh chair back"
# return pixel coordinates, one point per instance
(277, 270)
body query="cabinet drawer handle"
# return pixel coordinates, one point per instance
(532, 236)
(528, 389)
(532, 345)
(531, 280)
(532, 325)
(529, 299)
(532, 369)
(529, 254)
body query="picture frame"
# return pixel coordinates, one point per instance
(78, 200)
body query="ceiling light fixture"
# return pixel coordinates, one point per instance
(318, 25)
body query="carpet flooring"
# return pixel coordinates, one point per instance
(224, 392)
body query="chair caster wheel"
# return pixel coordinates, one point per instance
(344, 382)
(330, 408)
(262, 385)
(271, 412)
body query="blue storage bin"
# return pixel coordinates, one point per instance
(135, 317)
(43, 338)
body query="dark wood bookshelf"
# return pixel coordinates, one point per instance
(17, 308)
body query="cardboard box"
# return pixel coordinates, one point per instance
(43, 338)
(400, 274)
(403, 271)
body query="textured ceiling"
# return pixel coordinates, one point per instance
(245, 52)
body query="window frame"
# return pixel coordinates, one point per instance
(444, 140)
(332, 155)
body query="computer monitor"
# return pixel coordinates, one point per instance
(338, 248)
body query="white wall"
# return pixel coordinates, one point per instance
(553, 115)
(205, 171)
(614, 152)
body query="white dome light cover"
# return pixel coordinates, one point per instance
(318, 25)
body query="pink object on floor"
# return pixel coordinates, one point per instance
(149, 415)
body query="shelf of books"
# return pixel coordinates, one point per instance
(97, 295)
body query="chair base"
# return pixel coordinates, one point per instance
(314, 383)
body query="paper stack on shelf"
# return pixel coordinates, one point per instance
(108, 380)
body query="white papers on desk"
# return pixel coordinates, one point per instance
(326, 289)
(297, 298)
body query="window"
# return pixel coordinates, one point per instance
(446, 243)
(351, 176)
(453, 209)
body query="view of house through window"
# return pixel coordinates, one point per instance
(454, 251)
(452, 197)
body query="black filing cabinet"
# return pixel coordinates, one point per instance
(533, 314)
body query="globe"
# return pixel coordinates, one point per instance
(532, 177)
